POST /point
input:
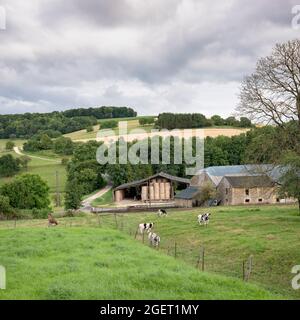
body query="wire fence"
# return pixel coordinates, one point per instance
(198, 256)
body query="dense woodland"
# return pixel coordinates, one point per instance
(197, 120)
(57, 123)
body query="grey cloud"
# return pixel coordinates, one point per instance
(68, 53)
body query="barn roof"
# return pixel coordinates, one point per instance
(161, 174)
(188, 193)
(218, 172)
(250, 181)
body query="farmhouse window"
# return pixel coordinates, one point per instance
(247, 192)
(247, 200)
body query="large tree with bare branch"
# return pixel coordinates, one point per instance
(272, 93)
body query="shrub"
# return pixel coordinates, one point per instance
(8, 166)
(27, 192)
(109, 124)
(146, 121)
(64, 146)
(9, 145)
(65, 161)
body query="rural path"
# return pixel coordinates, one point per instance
(86, 203)
(19, 152)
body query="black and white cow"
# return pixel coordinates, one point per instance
(145, 227)
(162, 212)
(203, 218)
(154, 239)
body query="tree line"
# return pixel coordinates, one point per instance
(197, 120)
(57, 123)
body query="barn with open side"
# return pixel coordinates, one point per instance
(160, 187)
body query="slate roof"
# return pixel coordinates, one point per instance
(187, 193)
(161, 174)
(218, 172)
(250, 181)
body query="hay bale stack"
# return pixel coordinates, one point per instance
(119, 195)
(151, 191)
(156, 191)
(144, 193)
(162, 191)
(167, 191)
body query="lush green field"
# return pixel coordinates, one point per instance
(98, 263)
(271, 234)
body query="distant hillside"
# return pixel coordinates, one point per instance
(58, 122)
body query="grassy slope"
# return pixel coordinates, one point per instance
(271, 234)
(46, 169)
(133, 123)
(95, 263)
(105, 200)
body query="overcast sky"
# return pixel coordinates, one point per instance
(155, 56)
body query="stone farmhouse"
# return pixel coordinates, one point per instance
(235, 185)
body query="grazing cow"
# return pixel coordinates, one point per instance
(203, 218)
(154, 239)
(51, 221)
(162, 212)
(145, 227)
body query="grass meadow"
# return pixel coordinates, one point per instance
(100, 263)
(270, 234)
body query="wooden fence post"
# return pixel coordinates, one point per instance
(249, 269)
(116, 221)
(122, 222)
(168, 252)
(201, 259)
(175, 250)
(244, 270)
(15, 224)
(99, 221)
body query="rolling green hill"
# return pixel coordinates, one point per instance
(270, 234)
(96, 263)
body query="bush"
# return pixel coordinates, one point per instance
(8, 165)
(27, 192)
(146, 121)
(5, 208)
(40, 213)
(65, 161)
(9, 145)
(109, 124)
(64, 146)
(90, 129)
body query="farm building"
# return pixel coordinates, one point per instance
(237, 190)
(157, 188)
(187, 198)
(242, 184)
